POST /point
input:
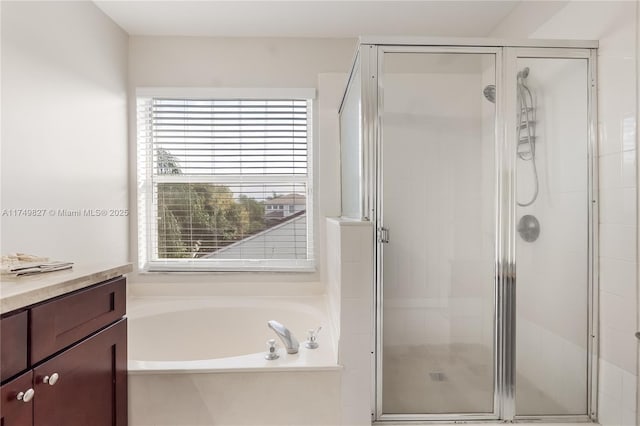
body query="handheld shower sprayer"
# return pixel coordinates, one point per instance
(525, 124)
(523, 74)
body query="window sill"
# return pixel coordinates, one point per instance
(227, 271)
(305, 267)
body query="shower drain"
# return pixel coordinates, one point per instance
(438, 377)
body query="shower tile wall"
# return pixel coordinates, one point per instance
(615, 24)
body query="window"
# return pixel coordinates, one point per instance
(214, 175)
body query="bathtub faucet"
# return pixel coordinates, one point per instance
(288, 340)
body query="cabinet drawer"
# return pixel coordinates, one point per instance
(13, 345)
(60, 322)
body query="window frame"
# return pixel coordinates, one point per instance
(145, 184)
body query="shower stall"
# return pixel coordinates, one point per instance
(476, 161)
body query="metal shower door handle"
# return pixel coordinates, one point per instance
(383, 235)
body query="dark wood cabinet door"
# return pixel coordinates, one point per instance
(91, 385)
(15, 412)
(13, 344)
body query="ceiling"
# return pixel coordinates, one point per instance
(308, 18)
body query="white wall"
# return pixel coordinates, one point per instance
(615, 25)
(249, 62)
(64, 130)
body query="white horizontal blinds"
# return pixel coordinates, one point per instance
(229, 180)
(227, 137)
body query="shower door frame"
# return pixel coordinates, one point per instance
(371, 54)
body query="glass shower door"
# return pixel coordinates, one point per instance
(438, 209)
(553, 236)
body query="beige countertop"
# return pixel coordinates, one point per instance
(18, 292)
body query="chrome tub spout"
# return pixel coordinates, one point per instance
(288, 339)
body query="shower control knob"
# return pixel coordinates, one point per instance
(529, 228)
(51, 380)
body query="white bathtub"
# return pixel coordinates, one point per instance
(223, 333)
(201, 361)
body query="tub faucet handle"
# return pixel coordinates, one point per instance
(311, 342)
(272, 354)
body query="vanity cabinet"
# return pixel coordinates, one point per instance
(75, 360)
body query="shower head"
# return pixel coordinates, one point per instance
(489, 92)
(524, 73)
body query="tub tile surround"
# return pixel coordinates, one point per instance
(296, 398)
(350, 287)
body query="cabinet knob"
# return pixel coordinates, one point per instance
(51, 380)
(26, 396)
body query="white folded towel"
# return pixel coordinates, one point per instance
(38, 268)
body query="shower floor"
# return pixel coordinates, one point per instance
(458, 378)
